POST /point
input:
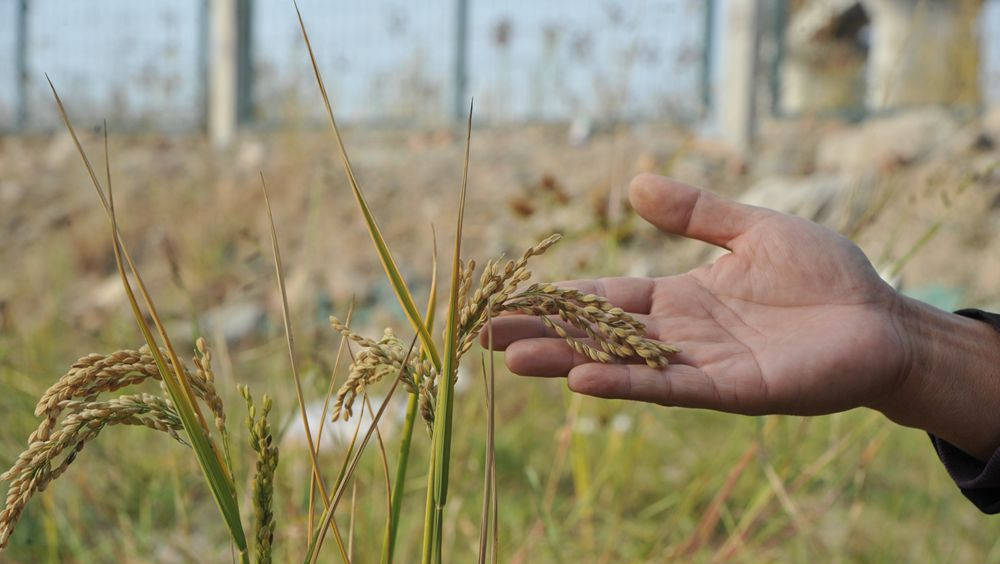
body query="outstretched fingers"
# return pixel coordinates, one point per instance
(545, 357)
(554, 357)
(676, 385)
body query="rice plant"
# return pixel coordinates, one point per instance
(73, 411)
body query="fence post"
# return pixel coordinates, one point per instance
(222, 72)
(779, 14)
(461, 77)
(244, 61)
(707, 52)
(736, 97)
(21, 62)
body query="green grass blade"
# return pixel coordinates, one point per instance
(385, 256)
(446, 386)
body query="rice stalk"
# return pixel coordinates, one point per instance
(262, 442)
(441, 439)
(217, 473)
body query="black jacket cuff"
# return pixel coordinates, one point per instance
(979, 481)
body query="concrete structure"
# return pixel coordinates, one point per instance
(880, 54)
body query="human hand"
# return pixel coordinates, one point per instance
(793, 320)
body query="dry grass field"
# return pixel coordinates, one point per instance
(578, 480)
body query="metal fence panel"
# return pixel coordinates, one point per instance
(564, 59)
(8, 64)
(142, 64)
(136, 63)
(388, 61)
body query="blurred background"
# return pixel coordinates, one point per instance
(878, 118)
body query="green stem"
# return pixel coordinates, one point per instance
(389, 546)
(427, 544)
(438, 532)
(441, 440)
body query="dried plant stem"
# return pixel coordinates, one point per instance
(385, 464)
(489, 473)
(290, 342)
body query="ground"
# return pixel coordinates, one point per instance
(579, 479)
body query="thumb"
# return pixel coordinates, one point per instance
(677, 208)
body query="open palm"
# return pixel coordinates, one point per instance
(793, 320)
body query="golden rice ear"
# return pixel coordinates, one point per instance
(263, 443)
(613, 333)
(47, 458)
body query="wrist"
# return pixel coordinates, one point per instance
(949, 381)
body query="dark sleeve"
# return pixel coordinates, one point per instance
(979, 481)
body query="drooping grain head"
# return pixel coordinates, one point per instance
(46, 459)
(72, 415)
(611, 333)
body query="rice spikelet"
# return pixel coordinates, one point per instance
(262, 442)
